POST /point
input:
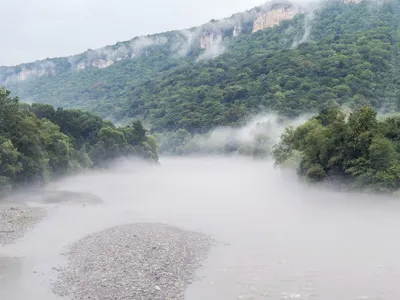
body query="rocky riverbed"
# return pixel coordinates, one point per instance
(16, 219)
(136, 261)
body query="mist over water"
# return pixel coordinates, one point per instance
(280, 239)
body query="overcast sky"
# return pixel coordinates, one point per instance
(36, 29)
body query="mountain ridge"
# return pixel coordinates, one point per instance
(208, 37)
(340, 52)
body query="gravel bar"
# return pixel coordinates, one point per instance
(143, 261)
(15, 219)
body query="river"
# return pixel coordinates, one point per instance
(280, 239)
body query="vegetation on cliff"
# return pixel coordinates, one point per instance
(342, 52)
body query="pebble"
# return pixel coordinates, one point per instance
(144, 261)
(16, 219)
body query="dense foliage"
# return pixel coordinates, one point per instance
(349, 53)
(357, 149)
(38, 143)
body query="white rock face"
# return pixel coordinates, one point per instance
(275, 16)
(23, 75)
(33, 71)
(237, 30)
(80, 66)
(210, 39)
(101, 63)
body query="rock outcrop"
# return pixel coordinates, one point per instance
(209, 39)
(275, 16)
(237, 30)
(101, 64)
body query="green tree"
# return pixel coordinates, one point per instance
(358, 151)
(9, 164)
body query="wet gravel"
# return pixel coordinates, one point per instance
(145, 261)
(16, 219)
(53, 197)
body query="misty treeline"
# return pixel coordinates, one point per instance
(39, 143)
(254, 140)
(357, 149)
(349, 53)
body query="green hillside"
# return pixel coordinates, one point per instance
(348, 55)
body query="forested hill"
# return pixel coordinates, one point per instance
(344, 51)
(39, 143)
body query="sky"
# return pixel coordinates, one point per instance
(37, 29)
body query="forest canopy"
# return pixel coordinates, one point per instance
(356, 150)
(39, 143)
(348, 53)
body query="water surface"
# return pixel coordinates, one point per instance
(279, 238)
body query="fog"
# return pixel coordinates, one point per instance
(279, 237)
(211, 53)
(261, 131)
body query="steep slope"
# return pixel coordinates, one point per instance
(175, 43)
(221, 72)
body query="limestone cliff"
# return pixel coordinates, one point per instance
(210, 36)
(25, 73)
(101, 64)
(209, 39)
(275, 16)
(237, 30)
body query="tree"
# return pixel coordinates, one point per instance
(112, 144)
(9, 113)
(358, 150)
(9, 164)
(56, 145)
(39, 143)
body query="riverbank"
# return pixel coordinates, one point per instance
(16, 219)
(137, 261)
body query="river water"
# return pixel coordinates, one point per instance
(280, 239)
